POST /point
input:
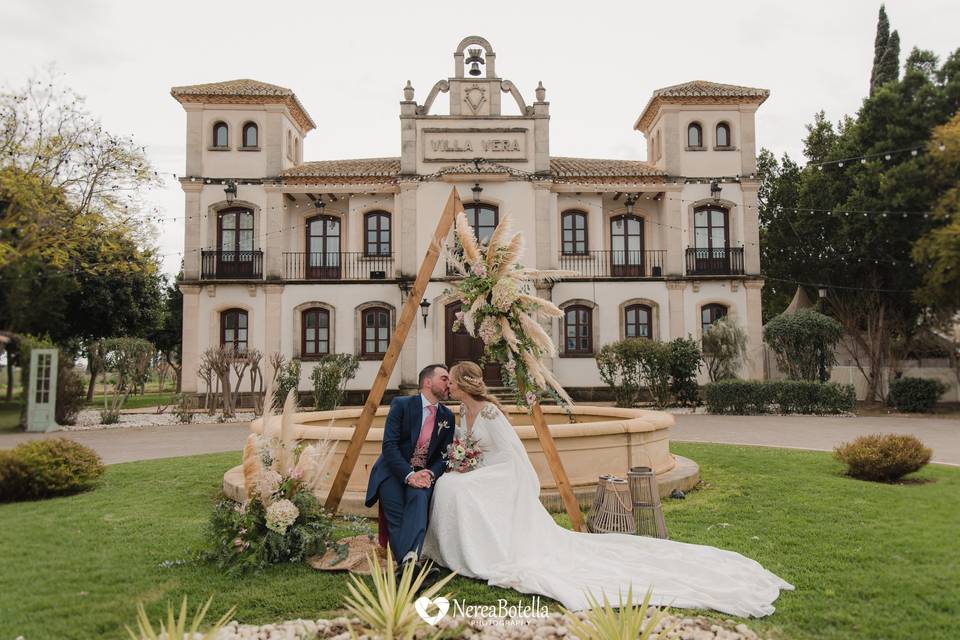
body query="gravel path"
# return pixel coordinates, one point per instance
(551, 627)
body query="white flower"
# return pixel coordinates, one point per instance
(489, 330)
(504, 294)
(280, 515)
(268, 484)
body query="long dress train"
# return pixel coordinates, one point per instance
(489, 524)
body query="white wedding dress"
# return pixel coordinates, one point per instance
(489, 524)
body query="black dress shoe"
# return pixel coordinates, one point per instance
(432, 575)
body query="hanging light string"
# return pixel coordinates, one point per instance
(885, 155)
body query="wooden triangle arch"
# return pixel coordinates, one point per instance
(407, 316)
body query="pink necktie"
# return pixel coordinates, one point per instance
(426, 431)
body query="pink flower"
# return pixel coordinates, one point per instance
(531, 397)
(478, 268)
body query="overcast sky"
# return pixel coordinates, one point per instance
(348, 62)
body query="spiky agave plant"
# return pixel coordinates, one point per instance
(626, 621)
(389, 608)
(176, 627)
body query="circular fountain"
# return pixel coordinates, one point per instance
(591, 441)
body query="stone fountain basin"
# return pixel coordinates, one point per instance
(601, 440)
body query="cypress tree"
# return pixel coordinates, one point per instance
(880, 45)
(889, 68)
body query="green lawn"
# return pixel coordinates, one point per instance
(868, 560)
(148, 399)
(9, 416)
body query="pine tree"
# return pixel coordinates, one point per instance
(880, 45)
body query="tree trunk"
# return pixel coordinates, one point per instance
(93, 382)
(9, 378)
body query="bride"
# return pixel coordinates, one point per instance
(489, 524)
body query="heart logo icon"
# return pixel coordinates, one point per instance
(441, 603)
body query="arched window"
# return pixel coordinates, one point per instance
(323, 248)
(578, 330)
(574, 224)
(694, 135)
(709, 314)
(723, 135)
(296, 149)
(251, 139)
(626, 245)
(637, 321)
(483, 219)
(376, 231)
(375, 327)
(220, 138)
(315, 337)
(659, 148)
(233, 329)
(289, 145)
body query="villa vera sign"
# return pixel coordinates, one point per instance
(500, 145)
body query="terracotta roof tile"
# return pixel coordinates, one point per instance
(703, 88)
(359, 167)
(244, 91)
(562, 167)
(699, 92)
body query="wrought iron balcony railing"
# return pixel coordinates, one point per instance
(231, 265)
(337, 266)
(616, 264)
(715, 262)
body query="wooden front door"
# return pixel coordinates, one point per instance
(461, 346)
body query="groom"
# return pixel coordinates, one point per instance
(416, 434)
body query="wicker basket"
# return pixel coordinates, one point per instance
(647, 512)
(612, 509)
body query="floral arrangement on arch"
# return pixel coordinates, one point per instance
(281, 519)
(500, 307)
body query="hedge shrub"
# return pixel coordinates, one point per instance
(915, 394)
(882, 457)
(745, 397)
(48, 467)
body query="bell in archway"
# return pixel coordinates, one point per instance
(474, 61)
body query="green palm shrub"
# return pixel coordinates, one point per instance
(623, 621)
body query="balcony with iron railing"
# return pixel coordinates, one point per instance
(715, 262)
(616, 264)
(337, 266)
(231, 265)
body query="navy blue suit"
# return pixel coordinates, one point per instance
(407, 508)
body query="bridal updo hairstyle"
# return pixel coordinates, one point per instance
(469, 377)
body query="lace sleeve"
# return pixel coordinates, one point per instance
(505, 446)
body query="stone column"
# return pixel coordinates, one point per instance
(190, 358)
(192, 230)
(754, 328)
(409, 264)
(274, 223)
(751, 228)
(675, 289)
(544, 224)
(272, 326)
(673, 232)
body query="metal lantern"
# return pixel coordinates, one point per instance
(612, 509)
(647, 512)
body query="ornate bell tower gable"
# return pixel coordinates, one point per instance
(475, 127)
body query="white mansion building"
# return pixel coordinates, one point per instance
(310, 258)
